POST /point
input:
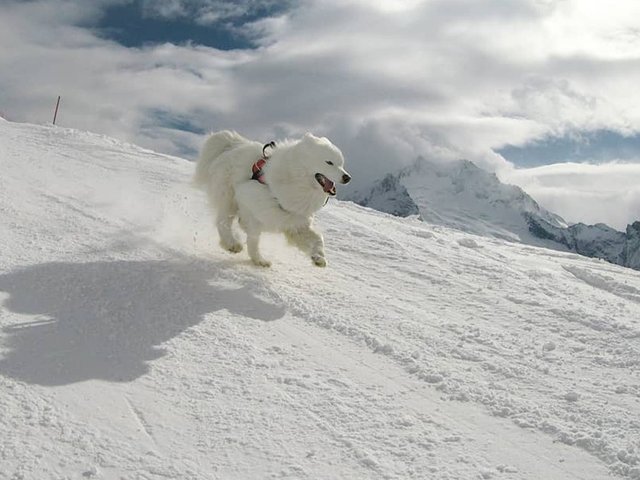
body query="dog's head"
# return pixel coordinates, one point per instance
(324, 162)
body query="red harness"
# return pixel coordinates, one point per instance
(257, 167)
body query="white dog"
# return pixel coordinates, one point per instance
(275, 188)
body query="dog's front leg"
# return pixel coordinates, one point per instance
(310, 242)
(253, 244)
(253, 229)
(253, 240)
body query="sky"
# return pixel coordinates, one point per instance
(511, 85)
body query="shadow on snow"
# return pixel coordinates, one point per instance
(106, 320)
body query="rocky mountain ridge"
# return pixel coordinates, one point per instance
(466, 197)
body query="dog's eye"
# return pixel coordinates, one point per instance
(329, 162)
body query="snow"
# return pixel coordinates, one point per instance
(132, 346)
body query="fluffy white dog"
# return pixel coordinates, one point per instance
(275, 188)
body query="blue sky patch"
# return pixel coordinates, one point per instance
(129, 25)
(599, 146)
(166, 119)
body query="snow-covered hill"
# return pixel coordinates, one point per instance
(465, 197)
(132, 347)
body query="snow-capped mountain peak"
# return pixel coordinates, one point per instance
(463, 196)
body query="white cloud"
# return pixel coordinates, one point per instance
(387, 80)
(164, 8)
(207, 11)
(607, 193)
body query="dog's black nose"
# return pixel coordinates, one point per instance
(346, 178)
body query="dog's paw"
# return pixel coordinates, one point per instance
(319, 261)
(233, 248)
(261, 262)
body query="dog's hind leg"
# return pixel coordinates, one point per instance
(310, 242)
(226, 213)
(228, 240)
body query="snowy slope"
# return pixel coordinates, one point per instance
(132, 347)
(466, 197)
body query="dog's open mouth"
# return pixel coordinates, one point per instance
(327, 185)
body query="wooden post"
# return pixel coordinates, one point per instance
(56, 112)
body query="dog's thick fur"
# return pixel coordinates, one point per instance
(293, 191)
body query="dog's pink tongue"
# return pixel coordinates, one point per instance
(329, 186)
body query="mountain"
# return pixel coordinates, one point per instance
(132, 346)
(464, 196)
(389, 195)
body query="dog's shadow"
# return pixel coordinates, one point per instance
(107, 320)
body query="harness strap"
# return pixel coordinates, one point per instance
(271, 144)
(256, 168)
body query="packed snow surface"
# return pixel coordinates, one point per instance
(132, 346)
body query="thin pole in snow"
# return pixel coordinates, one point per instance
(56, 112)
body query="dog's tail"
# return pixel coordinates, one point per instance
(214, 146)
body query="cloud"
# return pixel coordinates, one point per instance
(105, 87)
(606, 193)
(210, 11)
(387, 80)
